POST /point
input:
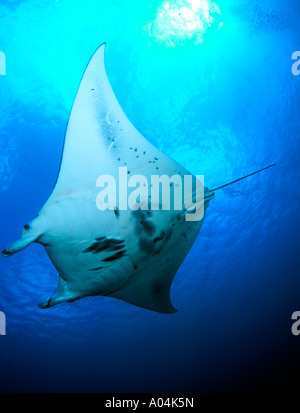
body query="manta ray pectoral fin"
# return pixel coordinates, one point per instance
(152, 292)
(61, 295)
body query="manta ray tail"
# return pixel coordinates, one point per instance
(244, 177)
(31, 233)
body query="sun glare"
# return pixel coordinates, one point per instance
(181, 20)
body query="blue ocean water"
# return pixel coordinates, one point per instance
(211, 86)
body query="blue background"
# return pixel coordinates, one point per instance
(221, 100)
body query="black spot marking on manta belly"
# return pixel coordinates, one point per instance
(114, 257)
(96, 269)
(163, 239)
(160, 238)
(27, 227)
(146, 245)
(142, 224)
(148, 227)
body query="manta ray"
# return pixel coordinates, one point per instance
(131, 255)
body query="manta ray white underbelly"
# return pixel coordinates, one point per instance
(126, 254)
